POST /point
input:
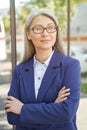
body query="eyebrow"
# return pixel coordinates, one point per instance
(42, 25)
(50, 23)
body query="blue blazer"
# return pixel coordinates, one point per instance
(42, 113)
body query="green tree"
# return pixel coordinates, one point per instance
(77, 1)
(58, 7)
(6, 24)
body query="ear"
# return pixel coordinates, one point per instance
(28, 35)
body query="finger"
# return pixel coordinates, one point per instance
(8, 110)
(63, 99)
(7, 106)
(8, 101)
(65, 91)
(60, 100)
(10, 98)
(64, 95)
(63, 88)
(67, 94)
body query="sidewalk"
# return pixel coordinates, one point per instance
(5, 72)
(3, 121)
(81, 114)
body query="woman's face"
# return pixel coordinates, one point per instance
(41, 38)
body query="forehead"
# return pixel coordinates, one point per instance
(42, 19)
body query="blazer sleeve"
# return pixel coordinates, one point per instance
(56, 113)
(14, 91)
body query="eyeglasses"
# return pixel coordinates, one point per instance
(38, 29)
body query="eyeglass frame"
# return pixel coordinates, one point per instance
(44, 28)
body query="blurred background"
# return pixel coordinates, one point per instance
(72, 18)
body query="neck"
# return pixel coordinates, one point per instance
(43, 55)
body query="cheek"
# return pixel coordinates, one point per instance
(34, 40)
(54, 38)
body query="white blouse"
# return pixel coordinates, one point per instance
(39, 71)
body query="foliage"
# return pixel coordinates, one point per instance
(6, 23)
(58, 7)
(84, 87)
(78, 1)
(24, 12)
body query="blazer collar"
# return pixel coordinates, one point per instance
(28, 76)
(55, 61)
(28, 80)
(53, 69)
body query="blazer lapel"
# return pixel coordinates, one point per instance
(28, 80)
(53, 69)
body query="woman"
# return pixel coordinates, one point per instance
(45, 87)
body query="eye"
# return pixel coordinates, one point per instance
(51, 27)
(37, 28)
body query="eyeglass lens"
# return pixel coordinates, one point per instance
(40, 29)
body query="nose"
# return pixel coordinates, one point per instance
(45, 32)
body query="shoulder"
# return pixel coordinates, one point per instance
(23, 66)
(70, 60)
(68, 65)
(71, 64)
(65, 60)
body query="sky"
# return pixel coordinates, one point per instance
(6, 4)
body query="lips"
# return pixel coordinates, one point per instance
(45, 40)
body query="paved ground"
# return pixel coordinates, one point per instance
(81, 115)
(3, 121)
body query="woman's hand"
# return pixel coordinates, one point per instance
(62, 95)
(13, 105)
